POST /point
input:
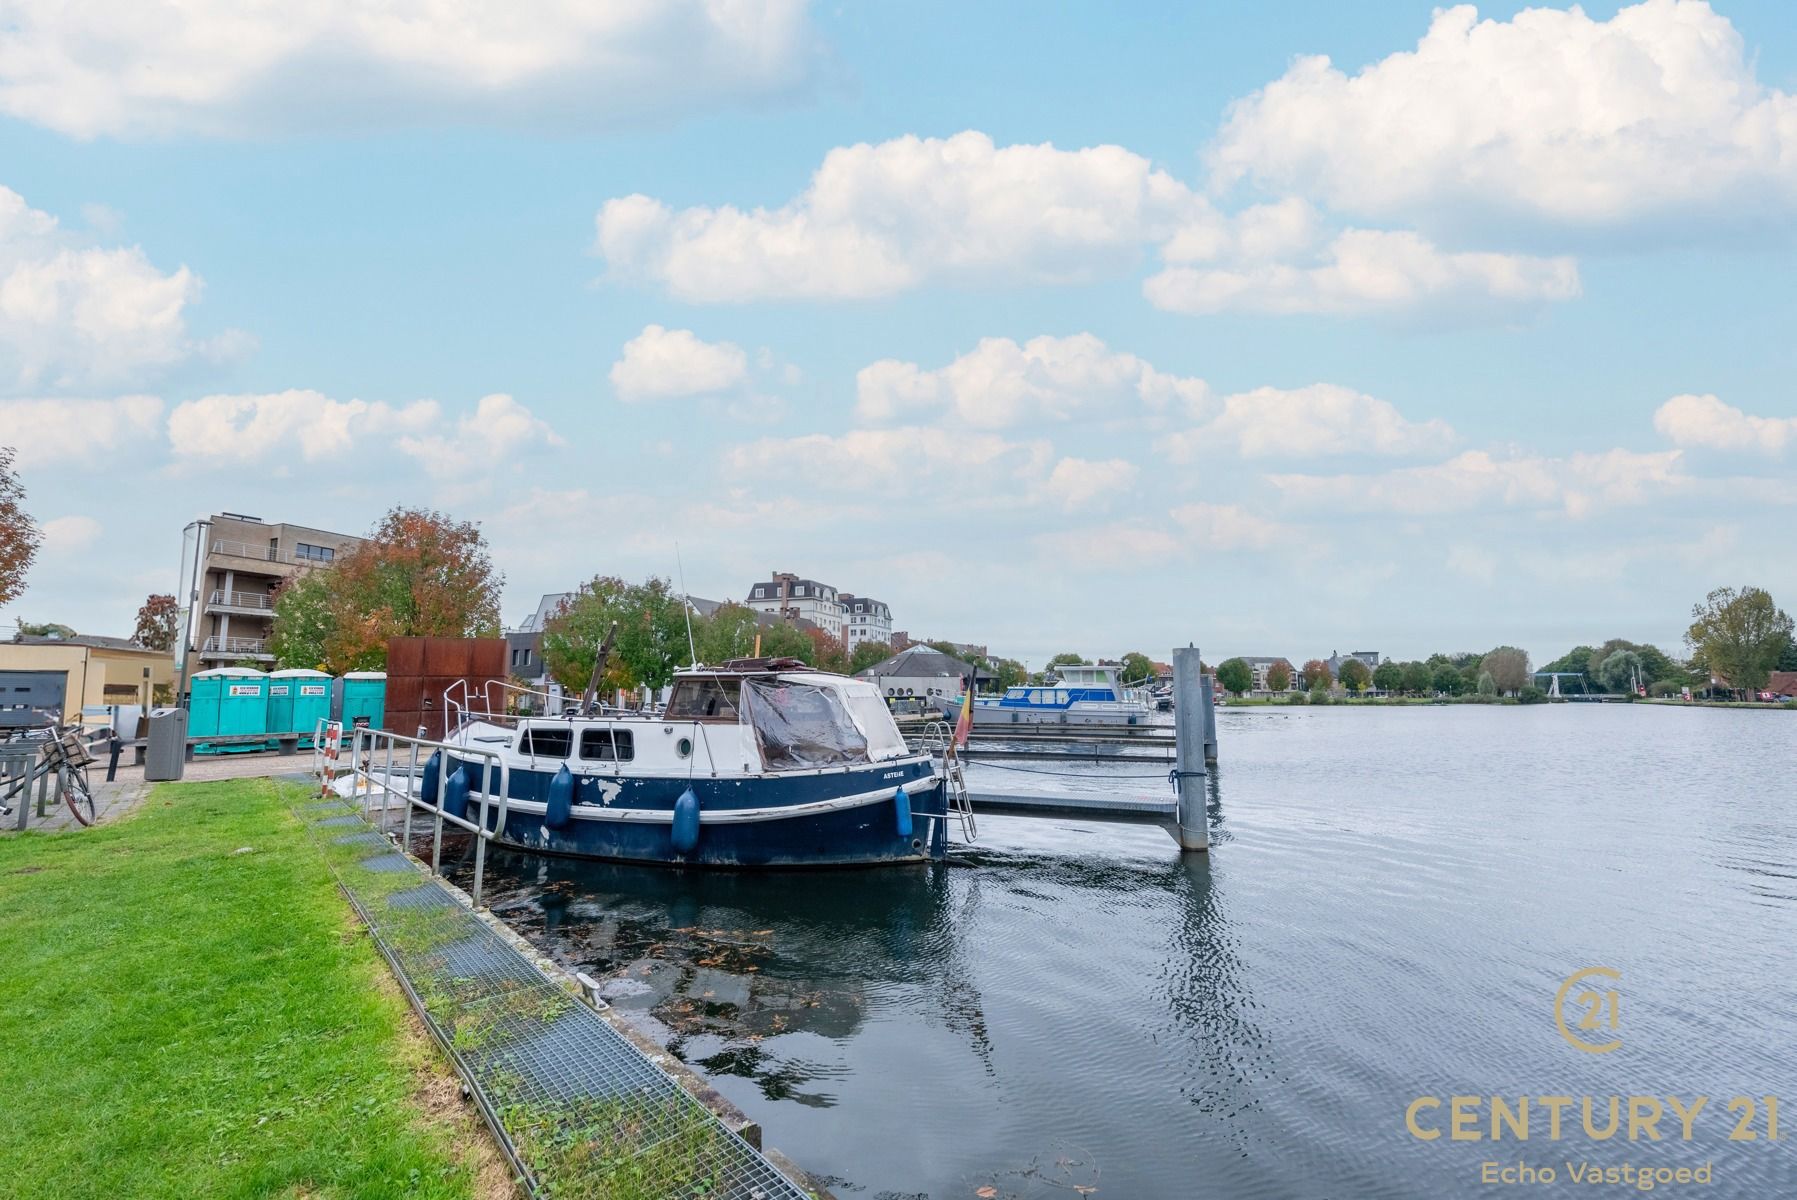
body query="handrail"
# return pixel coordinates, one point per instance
(237, 599)
(365, 743)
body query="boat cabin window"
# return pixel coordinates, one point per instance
(801, 725)
(704, 700)
(546, 741)
(1060, 696)
(1016, 693)
(608, 745)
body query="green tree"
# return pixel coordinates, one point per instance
(827, 652)
(731, 632)
(43, 629)
(1388, 676)
(1009, 673)
(1279, 676)
(1418, 680)
(1235, 676)
(1508, 668)
(19, 534)
(1740, 634)
(1447, 680)
(1138, 668)
(651, 638)
(1619, 671)
(1487, 685)
(1316, 675)
(1576, 659)
(1065, 659)
(867, 654)
(1355, 675)
(304, 621)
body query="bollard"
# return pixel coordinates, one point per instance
(1189, 774)
(1209, 694)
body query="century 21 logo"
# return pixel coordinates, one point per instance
(1597, 1009)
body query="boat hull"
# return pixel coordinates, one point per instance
(833, 818)
(988, 716)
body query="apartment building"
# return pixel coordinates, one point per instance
(231, 566)
(864, 619)
(795, 599)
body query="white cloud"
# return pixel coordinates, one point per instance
(1308, 422)
(1552, 115)
(1369, 271)
(901, 460)
(1229, 527)
(665, 363)
(51, 431)
(1083, 483)
(1706, 422)
(67, 535)
(1118, 544)
(74, 315)
(879, 219)
(1000, 384)
(498, 426)
(1577, 484)
(113, 67)
(248, 427)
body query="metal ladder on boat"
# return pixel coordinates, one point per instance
(938, 738)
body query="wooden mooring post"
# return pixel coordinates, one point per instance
(1194, 723)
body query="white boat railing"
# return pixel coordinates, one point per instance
(400, 757)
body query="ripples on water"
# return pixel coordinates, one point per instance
(1392, 898)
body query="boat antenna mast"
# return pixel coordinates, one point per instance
(686, 602)
(591, 695)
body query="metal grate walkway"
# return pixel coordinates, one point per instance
(578, 1108)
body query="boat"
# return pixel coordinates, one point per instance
(758, 763)
(1083, 694)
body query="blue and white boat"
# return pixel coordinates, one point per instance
(1083, 694)
(758, 763)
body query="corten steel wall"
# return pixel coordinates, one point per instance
(421, 669)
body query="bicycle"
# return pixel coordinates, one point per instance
(69, 757)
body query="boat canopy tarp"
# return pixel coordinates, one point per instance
(801, 725)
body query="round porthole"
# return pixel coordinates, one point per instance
(684, 746)
(917, 843)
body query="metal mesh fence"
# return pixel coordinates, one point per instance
(585, 1112)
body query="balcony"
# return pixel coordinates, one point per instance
(253, 603)
(234, 648)
(265, 553)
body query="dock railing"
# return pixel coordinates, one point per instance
(404, 757)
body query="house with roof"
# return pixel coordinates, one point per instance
(921, 673)
(1262, 664)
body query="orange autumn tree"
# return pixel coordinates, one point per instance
(419, 574)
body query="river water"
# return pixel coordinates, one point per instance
(1392, 899)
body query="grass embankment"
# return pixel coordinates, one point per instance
(182, 1018)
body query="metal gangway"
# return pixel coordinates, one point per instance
(404, 757)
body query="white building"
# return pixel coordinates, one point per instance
(864, 620)
(920, 674)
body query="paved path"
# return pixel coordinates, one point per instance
(128, 788)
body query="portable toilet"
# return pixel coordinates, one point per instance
(297, 699)
(228, 702)
(361, 699)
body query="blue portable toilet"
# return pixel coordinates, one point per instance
(228, 702)
(297, 699)
(361, 700)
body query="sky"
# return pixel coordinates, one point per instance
(1281, 329)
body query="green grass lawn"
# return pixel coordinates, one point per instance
(180, 1019)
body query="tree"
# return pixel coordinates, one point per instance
(419, 574)
(1508, 668)
(1446, 679)
(1316, 675)
(1137, 668)
(304, 622)
(867, 654)
(732, 631)
(1740, 634)
(1619, 671)
(19, 534)
(1235, 676)
(1065, 659)
(1654, 662)
(828, 652)
(158, 621)
(1355, 675)
(650, 643)
(1009, 673)
(1417, 679)
(1388, 676)
(43, 629)
(1279, 677)
(1487, 685)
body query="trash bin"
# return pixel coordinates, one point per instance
(165, 756)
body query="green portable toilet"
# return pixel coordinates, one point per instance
(362, 699)
(297, 699)
(228, 702)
